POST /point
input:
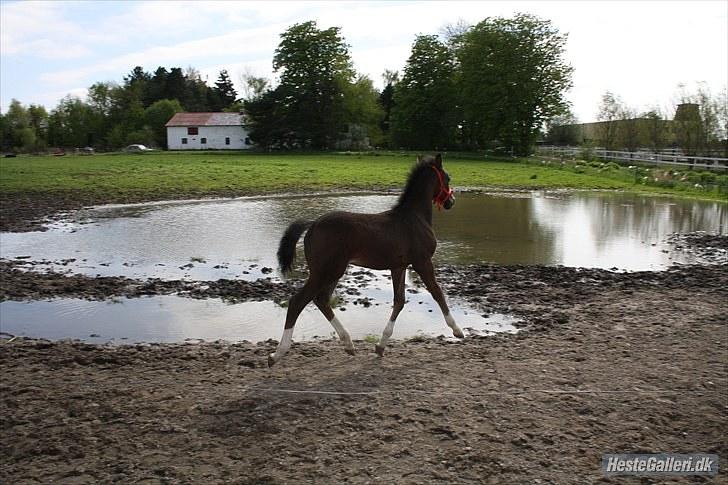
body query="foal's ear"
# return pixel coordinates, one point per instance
(438, 160)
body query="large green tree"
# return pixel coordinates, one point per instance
(224, 92)
(424, 113)
(512, 79)
(18, 132)
(386, 101)
(156, 117)
(72, 124)
(314, 67)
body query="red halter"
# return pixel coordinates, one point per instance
(445, 193)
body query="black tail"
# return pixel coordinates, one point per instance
(287, 247)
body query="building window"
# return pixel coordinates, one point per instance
(192, 130)
(184, 141)
(203, 141)
(227, 140)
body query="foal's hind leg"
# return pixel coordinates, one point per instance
(298, 301)
(397, 305)
(322, 301)
(427, 273)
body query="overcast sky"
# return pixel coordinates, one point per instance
(638, 50)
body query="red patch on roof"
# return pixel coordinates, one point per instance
(205, 119)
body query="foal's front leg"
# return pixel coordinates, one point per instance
(398, 275)
(427, 273)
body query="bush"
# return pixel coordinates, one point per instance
(587, 154)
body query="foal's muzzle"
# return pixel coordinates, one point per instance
(449, 202)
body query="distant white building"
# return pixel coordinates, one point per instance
(207, 131)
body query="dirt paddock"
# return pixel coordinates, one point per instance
(610, 363)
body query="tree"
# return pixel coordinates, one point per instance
(423, 113)
(101, 97)
(136, 83)
(224, 91)
(655, 129)
(688, 128)
(24, 129)
(156, 117)
(39, 124)
(265, 121)
(199, 96)
(562, 129)
(157, 86)
(386, 101)
(18, 134)
(710, 110)
(71, 124)
(253, 86)
(175, 86)
(628, 129)
(314, 67)
(362, 115)
(723, 120)
(512, 76)
(610, 110)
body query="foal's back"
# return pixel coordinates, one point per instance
(377, 241)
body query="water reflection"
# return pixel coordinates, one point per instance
(237, 238)
(175, 319)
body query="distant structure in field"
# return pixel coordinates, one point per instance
(207, 131)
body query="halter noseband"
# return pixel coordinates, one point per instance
(444, 193)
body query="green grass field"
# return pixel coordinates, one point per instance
(158, 175)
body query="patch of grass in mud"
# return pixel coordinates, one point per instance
(371, 339)
(117, 177)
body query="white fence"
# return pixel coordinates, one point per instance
(661, 158)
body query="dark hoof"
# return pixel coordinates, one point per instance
(379, 350)
(350, 351)
(271, 361)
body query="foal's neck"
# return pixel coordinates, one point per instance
(419, 203)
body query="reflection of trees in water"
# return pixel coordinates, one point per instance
(606, 219)
(487, 228)
(281, 211)
(650, 219)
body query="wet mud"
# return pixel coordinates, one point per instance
(608, 362)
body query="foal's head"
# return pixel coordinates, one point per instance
(443, 196)
(427, 178)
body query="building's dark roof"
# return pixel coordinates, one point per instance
(205, 119)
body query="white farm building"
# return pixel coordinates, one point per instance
(207, 131)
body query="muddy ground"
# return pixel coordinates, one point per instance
(609, 363)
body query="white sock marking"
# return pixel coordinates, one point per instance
(450, 321)
(387, 333)
(343, 334)
(283, 345)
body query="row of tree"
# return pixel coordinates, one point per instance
(114, 115)
(696, 123)
(491, 84)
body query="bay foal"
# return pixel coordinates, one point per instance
(394, 240)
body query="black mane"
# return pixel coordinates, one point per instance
(415, 180)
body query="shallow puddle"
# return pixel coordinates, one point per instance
(238, 238)
(176, 319)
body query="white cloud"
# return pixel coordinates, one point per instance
(239, 44)
(38, 29)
